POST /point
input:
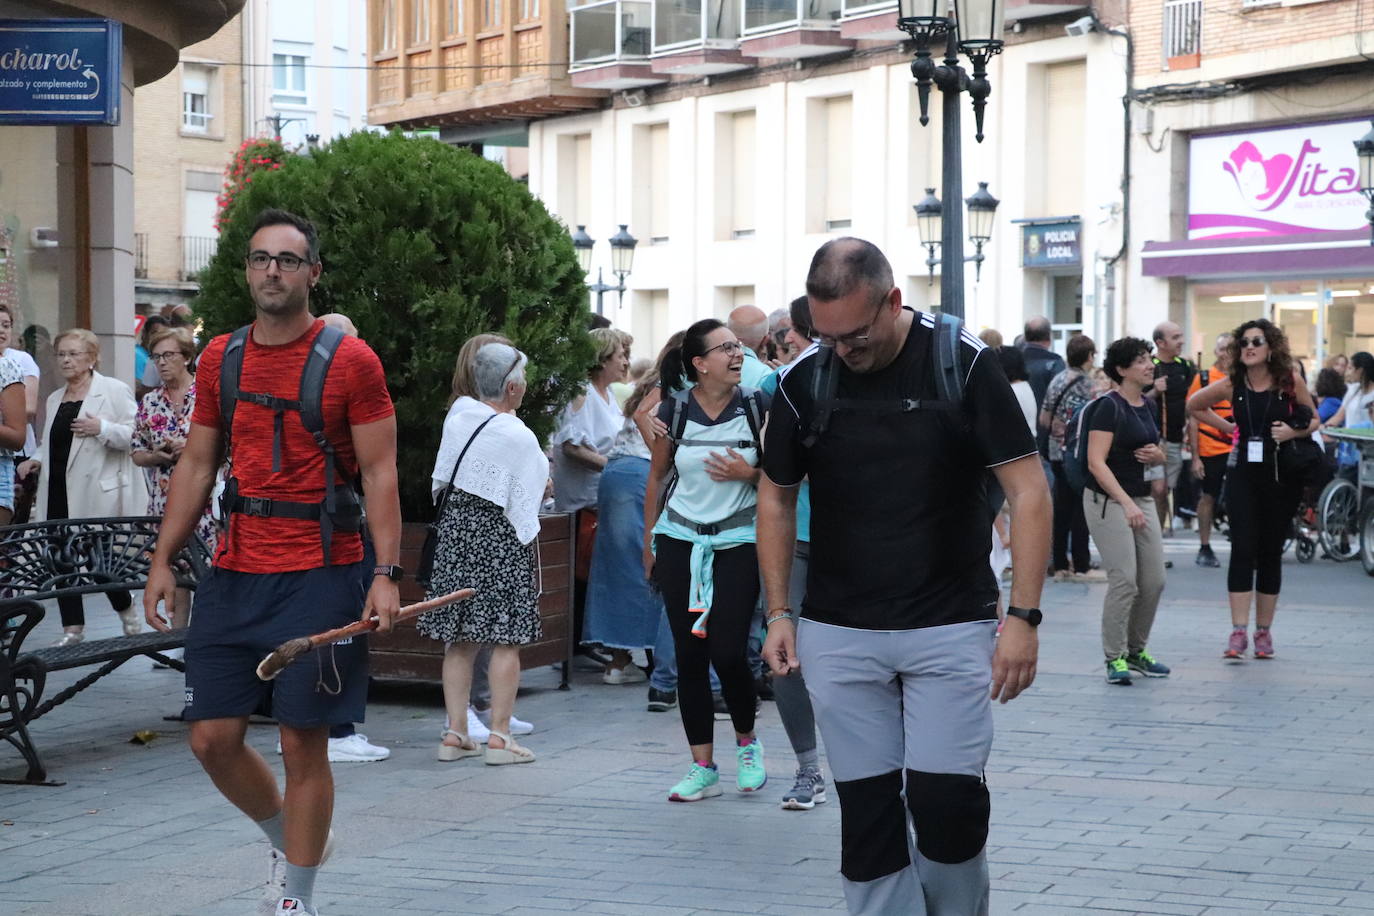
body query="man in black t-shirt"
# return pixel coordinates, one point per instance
(1173, 376)
(898, 626)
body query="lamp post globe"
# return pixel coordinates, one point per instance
(929, 214)
(980, 24)
(623, 252)
(922, 14)
(583, 244)
(982, 211)
(1364, 149)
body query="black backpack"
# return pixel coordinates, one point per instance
(946, 365)
(340, 507)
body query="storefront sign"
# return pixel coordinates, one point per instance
(1051, 244)
(1281, 181)
(59, 71)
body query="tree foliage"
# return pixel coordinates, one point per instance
(423, 246)
(254, 155)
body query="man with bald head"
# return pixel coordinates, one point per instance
(1173, 375)
(750, 325)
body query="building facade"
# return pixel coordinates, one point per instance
(67, 243)
(1245, 173)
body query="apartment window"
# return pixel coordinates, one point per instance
(659, 184)
(743, 134)
(575, 178)
(729, 298)
(529, 9)
(1182, 33)
(195, 99)
(454, 17)
(839, 149)
(343, 80)
(1064, 138)
(387, 17)
(649, 319)
(491, 14)
(418, 33)
(288, 79)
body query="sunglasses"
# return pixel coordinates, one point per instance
(1253, 342)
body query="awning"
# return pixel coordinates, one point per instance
(1304, 254)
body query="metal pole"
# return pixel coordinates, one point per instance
(600, 291)
(952, 238)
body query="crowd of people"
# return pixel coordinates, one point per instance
(815, 507)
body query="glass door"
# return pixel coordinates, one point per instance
(1299, 307)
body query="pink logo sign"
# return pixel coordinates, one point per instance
(1307, 182)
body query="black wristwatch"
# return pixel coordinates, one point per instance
(394, 573)
(1031, 615)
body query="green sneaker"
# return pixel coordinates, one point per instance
(700, 782)
(751, 775)
(1118, 672)
(1147, 664)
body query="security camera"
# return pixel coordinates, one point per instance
(1081, 26)
(633, 98)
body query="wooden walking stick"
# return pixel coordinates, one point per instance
(293, 649)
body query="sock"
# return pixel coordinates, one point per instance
(300, 882)
(1261, 629)
(705, 763)
(745, 742)
(1241, 629)
(811, 758)
(274, 830)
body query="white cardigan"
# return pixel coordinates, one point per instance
(102, 479)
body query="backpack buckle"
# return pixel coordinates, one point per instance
(256, 505)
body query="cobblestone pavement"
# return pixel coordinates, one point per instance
(1225, 789)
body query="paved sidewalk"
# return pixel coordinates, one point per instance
(1226, 789)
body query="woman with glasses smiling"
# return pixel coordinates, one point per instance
(699, 546)
(1270, 406)
(85, 470)
(161, 426)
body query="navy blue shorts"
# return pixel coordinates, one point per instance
(238, 618)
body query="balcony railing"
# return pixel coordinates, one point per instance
(196, 252)
(609, 31)
(1182, 30)
(140, 255)
(684, 24)
(764, 16)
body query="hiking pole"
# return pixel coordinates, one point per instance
(293, 649)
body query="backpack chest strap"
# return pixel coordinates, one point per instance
(719, 443)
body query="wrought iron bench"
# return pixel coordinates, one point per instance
(56, 559)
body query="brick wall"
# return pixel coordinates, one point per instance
(1230, 27)
(163, 152)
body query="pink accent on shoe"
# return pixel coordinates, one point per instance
(1264, 644)
(1235, 647)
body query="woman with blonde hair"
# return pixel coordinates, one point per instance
(85, 466)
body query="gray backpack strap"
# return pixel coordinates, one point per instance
(311, 397)
(230, 368)
(949, 374)
(825, 383)
(753, 413)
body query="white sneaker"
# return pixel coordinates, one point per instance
(275, 892)
(630, 674)
(517, 726)
(290, 906)
(355, 749)
(132, 620)
(477, 729)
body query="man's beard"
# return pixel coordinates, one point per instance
(281, 305)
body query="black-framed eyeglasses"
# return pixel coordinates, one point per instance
(286, 261)
(729, 348)
(858, 337)
(1254, 342)
(166, 357)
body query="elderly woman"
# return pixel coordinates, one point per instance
(489, 523)
(161, 426)
(85, 469)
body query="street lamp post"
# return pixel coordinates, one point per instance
(975, 30)
(622, 261)
(1364, 148)
(982, 208)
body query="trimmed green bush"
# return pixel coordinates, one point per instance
(423, 246)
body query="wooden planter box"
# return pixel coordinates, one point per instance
(405, 655)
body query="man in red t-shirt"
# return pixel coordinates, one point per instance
(272, 580)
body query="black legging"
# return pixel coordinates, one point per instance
(1070, 525)
(1261, 515)
(736, 583)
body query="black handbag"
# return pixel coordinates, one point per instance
(431, 545)
(1298, 462)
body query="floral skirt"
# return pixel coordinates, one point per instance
(478, 549)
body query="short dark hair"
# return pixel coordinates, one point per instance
(274, 217)
(841, 266)
(1013, 364)
(1364, 361)
(676, 368)
(1121, 353)
(595, 321)
(1079, 350)
(1037, 330)
(800, 313)
(1330, 384)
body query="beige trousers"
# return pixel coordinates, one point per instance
(1134, 561)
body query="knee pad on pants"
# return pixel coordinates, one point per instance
(873, 838)
(951, 814)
